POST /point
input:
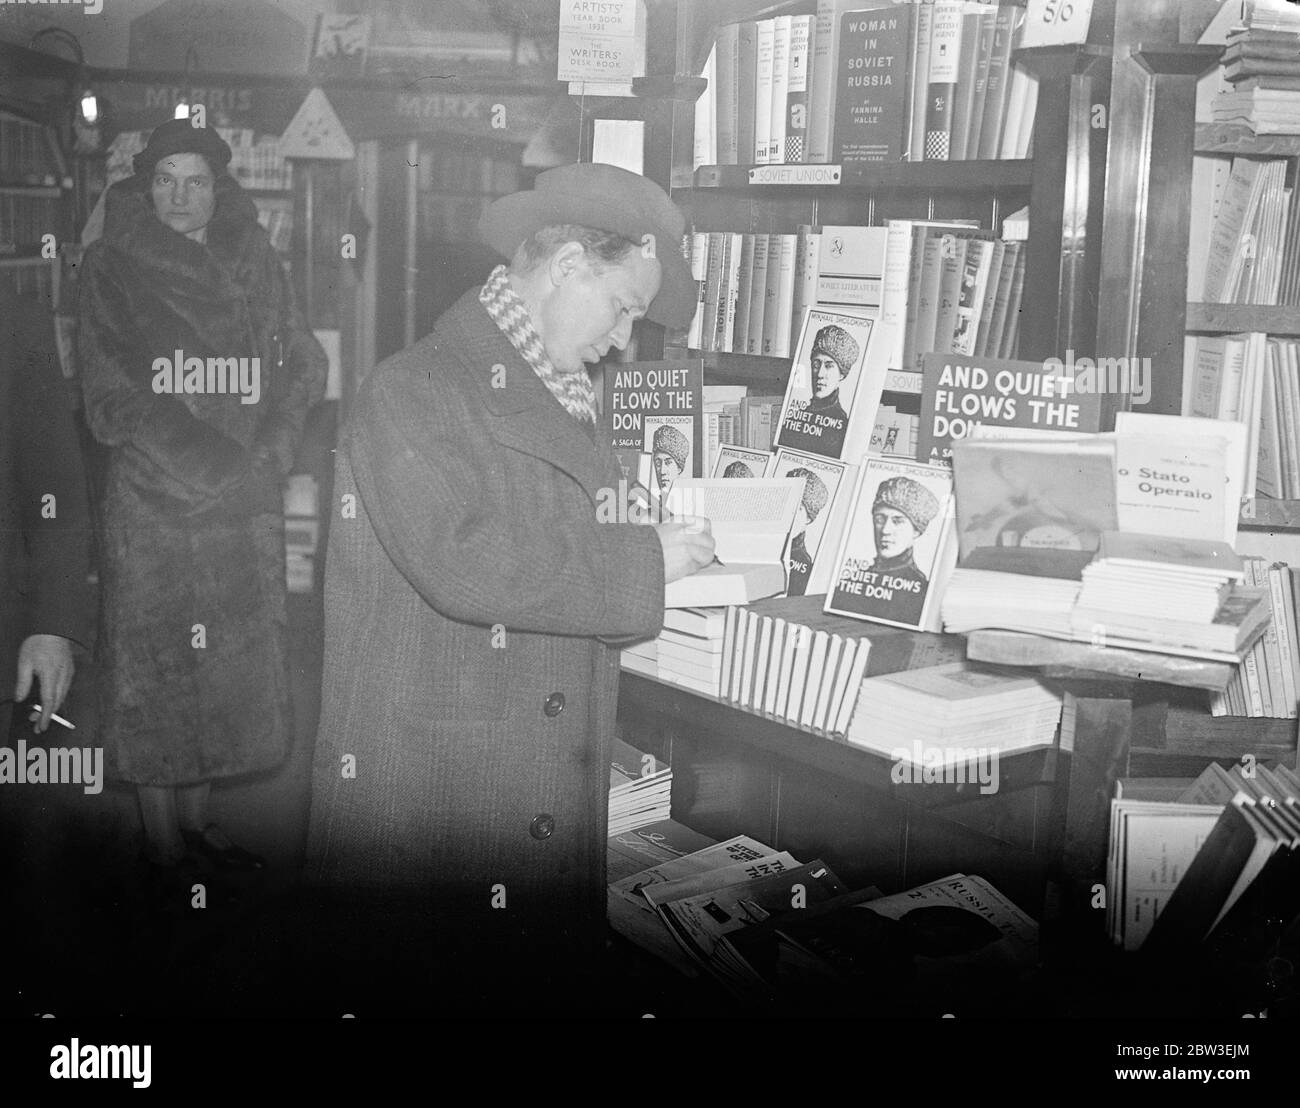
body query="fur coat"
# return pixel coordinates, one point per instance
(192, 648)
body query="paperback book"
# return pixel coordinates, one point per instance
(897, 548)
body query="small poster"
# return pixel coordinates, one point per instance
(894, 544)
(960, 393)
(824, 382)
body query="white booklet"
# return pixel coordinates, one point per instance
(751, 522)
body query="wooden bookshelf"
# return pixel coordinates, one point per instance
(1275, 319)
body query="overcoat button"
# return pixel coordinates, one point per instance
(542, 826)
(554, 704)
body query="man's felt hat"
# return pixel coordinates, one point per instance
(180, 136)
(911, 498)
(604, 198)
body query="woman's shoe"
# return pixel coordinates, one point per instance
(229, 856)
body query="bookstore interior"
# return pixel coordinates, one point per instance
(994, 366)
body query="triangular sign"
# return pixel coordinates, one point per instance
(315, 131)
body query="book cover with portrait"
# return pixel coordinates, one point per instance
(830, 402)
(637, 398)
(740, 461)
(898, 547)
(819, 522)
(670, 449)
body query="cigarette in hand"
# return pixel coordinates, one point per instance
(57, 718)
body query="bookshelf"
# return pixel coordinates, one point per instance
(1062, 185)
(1154, 138)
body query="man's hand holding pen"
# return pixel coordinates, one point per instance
(688, 546)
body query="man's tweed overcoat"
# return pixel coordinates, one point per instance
(473, 601)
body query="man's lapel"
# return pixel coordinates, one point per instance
(527, 418)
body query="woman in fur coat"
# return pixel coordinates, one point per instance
(198, 373)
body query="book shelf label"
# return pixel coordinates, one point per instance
(795, 175)
(1056, 22)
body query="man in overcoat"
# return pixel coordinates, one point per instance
(475, 603)
(45, 602)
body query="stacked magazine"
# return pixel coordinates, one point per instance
(639, 788)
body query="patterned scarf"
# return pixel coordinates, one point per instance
(508, 312)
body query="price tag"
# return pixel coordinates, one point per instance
(1056, 22)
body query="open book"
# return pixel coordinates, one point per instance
(751, 522)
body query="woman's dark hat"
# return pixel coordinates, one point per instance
(180, 136)
(606, 198)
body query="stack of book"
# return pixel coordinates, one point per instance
(687, 652)
(1014, 590)
(951, 709)
(789, 660)
(866, 81)
(1136, 581)
(1266, 682)
(639, 789)
(1262, 66)
(1223, 858)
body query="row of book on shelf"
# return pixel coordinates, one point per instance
(1244, 245)
(933, 286)
(1254, 379)
(862, 82)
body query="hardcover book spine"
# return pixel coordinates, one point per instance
(796, 97)
(1004, 29)
(919, 92)
(821, 92)
(705, 135)
(963, 101)
(766, 40)
(992, 282)
(713, 291)
(945, 62)
(744, 295)
(871, 86)
(746, 76)
(780, 87)
(700, 271)
(735, 246)
(1011, 332)
(983, 63)
(728, 58)
(758, 294)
